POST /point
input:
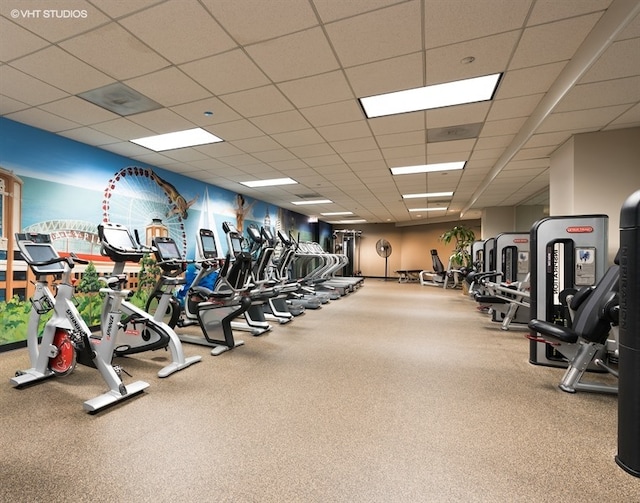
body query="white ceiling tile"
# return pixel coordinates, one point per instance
(298, 138)
(550, 10)
(353, 145)
(123, 128)
(453, 146)
(31, 16)
(248, 24)
(114, 51)
(594, 117)
(195, 112)
(381, 34)
(502, 127)
(492, 54)
(119, 9)
(9, 105)
(510, 108)
(257, 144)
(322, 160)
(19, 86)
(280, 154)
(494, 142)
(126, 149)
(334, 113)
(161, 121)
(394, 74)
(223, 73)
(621, 59)
(168, 87)
(180, 31)
(235, 130)
(600, 94)
(260, 101)
(294, 56)
(281, 122)
(330, 10)
(456, 115)
(306, 151)
(391, 124)
(552, 42)
(62, 70)
(317, 90)
(451, 22)
(528, 81)
(79, 110)
(361, 156)
(42, 119)
(630, 118)
(22, 41)
(401, 139)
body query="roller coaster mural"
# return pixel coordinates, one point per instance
(69, 187)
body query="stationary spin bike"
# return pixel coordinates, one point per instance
(66, 338)
(140, 330)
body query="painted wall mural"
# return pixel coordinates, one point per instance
(68, 188)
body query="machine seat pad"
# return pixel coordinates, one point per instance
(553, 332)
(490, 299)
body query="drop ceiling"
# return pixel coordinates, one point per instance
(279, 81)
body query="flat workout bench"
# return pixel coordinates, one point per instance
(408, 275)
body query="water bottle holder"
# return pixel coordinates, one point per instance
(42, 305)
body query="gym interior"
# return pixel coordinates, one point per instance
(320, 297)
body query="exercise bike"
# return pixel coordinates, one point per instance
(66, 338)
(140, 331)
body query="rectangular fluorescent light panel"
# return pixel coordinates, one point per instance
(178, 139)
(428, 209)
(358, 221)
(428, 168)
(312, 201)
(269, 183)
(435, 96)
(427, 194)
(336, 213)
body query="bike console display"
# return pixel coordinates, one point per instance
(118, 243)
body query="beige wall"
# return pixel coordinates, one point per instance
(594, 173)
(411, 246)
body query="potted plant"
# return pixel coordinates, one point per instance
(463, 237)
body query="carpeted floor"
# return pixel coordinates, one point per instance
(396, 393)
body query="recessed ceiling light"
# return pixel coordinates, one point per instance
(337, 213)
(177, 139)
(427, 194)
(428, 168)
(312, 201)
(358, 221)
(458, 92)
(427, 209)
(269, 183)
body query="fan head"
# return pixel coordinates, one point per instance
(383, 247)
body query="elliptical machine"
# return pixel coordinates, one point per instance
(66, 338)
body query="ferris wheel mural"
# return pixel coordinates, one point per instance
(138, 198)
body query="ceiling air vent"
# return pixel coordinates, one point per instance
(120, 99)
(450, 133)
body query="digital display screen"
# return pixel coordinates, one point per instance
(168, 250)
(119, 238)
(208, 244)
(41, 253)
(236, 245)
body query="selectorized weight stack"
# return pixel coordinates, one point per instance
(566, 252)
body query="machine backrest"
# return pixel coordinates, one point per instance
(437, 263)
(588, 322)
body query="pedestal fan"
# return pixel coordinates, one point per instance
(383, 247)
